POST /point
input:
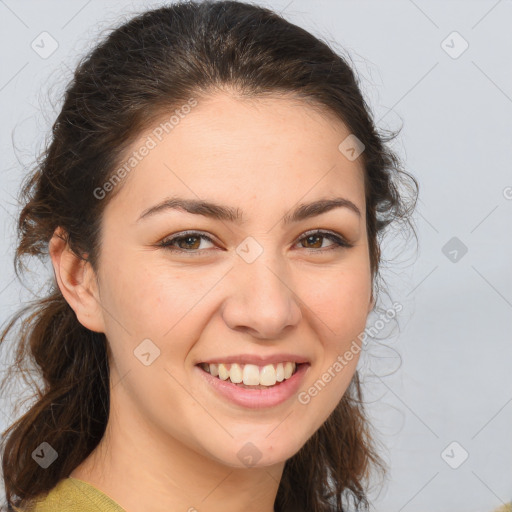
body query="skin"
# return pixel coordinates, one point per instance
(171, 442)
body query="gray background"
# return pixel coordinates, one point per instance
(445, 376)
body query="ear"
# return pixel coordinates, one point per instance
(77, 282)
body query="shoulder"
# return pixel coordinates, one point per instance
(74, 495)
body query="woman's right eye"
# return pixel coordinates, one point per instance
(187, 242)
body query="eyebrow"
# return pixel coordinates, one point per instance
(227, 213)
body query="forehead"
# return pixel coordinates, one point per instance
(242, 152)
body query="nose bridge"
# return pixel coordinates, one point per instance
(261, 297)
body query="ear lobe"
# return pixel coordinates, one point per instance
(77, 282)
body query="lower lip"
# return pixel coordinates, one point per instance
(257, 398)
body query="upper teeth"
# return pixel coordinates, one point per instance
(250, 374)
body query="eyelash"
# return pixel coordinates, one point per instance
(339, 242)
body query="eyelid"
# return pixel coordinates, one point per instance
(183, 234)
(321, 231)
(340, 242)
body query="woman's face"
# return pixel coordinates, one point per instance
(255, 287)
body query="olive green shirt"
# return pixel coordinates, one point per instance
(74, 495)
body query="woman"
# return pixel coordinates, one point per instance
(211, 201)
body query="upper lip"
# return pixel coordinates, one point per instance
(257, 359)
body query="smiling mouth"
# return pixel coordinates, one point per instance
(251, 376)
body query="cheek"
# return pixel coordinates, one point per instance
(341, 299)
(150, 294)
(169, 306)
(170, 295)
(339, 310)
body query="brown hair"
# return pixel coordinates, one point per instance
(151, 64)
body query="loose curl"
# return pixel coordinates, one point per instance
(150, 65)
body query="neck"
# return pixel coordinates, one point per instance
(145, 469)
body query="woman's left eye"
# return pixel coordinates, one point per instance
(338, 241)
(190, 242)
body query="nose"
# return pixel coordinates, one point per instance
(261, 299)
